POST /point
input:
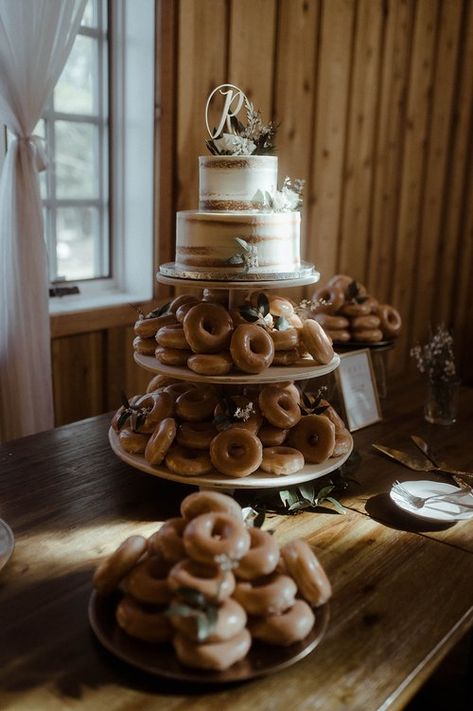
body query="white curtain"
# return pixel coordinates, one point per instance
(36, 37)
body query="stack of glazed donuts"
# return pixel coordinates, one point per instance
(207, 565)
(211, 339)
(196, 430)
(347, 312)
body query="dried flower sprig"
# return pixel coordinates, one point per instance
(436, 358)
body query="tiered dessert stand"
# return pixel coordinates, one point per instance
(238, 288)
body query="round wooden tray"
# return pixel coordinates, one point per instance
(160, 660)
(169, 274)
(257, 480)
(270, 375)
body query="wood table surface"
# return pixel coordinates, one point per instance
(403, 592)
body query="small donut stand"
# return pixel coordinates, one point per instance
(238, 291)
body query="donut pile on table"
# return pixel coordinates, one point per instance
(347, 313)
(196, 429)
(211, 339)
(211, 585)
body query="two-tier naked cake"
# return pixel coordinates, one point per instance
(244, 224)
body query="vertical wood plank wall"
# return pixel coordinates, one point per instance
(375, 104)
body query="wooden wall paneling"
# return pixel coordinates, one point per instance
(202, 62)
(413, 170)
(392, 105)
(294, 91)
(165, 136)
(425, 295)
(360, 141)
(335, 53)
(78, 377)
(252, 34)
(445, 310)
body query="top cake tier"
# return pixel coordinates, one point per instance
(231, 182)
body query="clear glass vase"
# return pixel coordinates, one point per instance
(441, 402)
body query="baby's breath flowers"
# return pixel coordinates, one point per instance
(436, 358)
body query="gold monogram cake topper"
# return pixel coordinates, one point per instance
(231, 136)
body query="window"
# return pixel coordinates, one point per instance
(75, 127)
(99, 133)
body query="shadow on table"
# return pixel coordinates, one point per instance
(383, 510)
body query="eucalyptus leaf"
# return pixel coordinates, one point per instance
(281, 323)
(235, 259)
(307, 491)
(259, 520)
(288, 497)
(124, 400)
(300, 504)
(122, 420)
(243, 244)
(263, 303)
(324, 492)
(339, 507)
(191, 596)
(249, 313)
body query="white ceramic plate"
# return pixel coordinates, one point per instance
(438, 511)
(7, 543)
(257, 480)
(271, 375)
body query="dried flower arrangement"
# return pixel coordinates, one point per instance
(436, 358)
(288, 199)
(256, 138)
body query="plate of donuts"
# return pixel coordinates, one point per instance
(304, 371)
(258, 480)
(160, 660)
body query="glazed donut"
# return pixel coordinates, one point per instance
(208, 328)
(231, 620)
(343, 443)
(317, 342)
(271, 436)
(159, 381)
(280, 306)
(295, 321)
(361, 323)
(196, 405)
(391, 321)
(211, 363)
(333, 416)
(210, 536)
(331, 323)
(172, 356)
(145, 346)
(340, 336)
(314, 437)
(180, 300)
(343, 281)
(254, 420)
(216, 296)
(133, 442)
(261, 559)
(285, 340)
(302, 565)
(284, 358)
(201, 502)
(269, 595)
(209, 580)
(291, 388)
(372, 303)
(155, 406)
(167, 541)
(353, 308)
(188, 462)
(176, 389)
(148, 327)
(196, 435)
(284, 629)
(111, 571)
(172, 337)
(279, 407)
(143, 623)
(372, 335)
(216, 656)
(236, 452)
(147, 582)
(160, 441)
(328, 299)
(117, 416)
(252, 348)
(281, 460)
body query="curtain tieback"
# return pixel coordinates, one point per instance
(36, 142)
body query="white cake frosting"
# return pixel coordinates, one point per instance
(231, 182)
(206, 240)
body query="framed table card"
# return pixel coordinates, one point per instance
(357, 385)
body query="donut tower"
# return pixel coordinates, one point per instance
(224, 409)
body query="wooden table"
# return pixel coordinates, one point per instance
(403, 593)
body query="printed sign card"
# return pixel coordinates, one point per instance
(358, 390)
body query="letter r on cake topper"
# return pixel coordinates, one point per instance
(232, 95)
